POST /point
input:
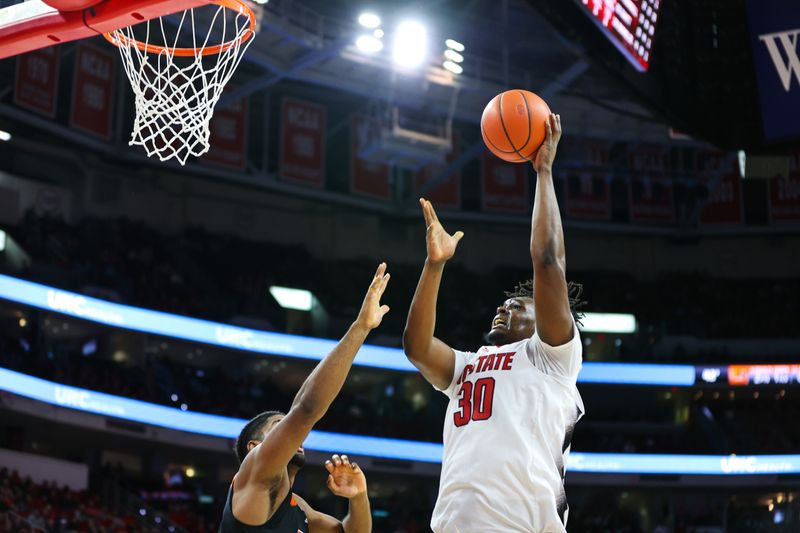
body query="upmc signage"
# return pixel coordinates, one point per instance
(775, 36)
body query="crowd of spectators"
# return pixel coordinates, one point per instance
(219, 276)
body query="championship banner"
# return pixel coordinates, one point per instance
(774, 35)
(367, 178)
(92, 106)
(650, 193)
(36, 82)
(302, 156)
(784, 194)
(587, 195)
(718, 172)
(446, 194)
(504, 186)
(228, 140)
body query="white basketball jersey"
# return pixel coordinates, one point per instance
(506, 438)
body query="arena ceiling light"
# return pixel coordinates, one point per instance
(5, 136)
(369, 44)
(453, 56)
(410, 44)
(289, 298)
(455, 68)
(454, 45)
(369, 20)
(608, 323)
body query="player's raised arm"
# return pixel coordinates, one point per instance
(554, 321)
(269, 458)
(434, 359)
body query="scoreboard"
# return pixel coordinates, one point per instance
(629, 24)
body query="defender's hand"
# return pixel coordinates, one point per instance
(543, 162)
(441, 245)
(372, 311)
(345, 479)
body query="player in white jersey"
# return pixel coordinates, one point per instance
(513, 404)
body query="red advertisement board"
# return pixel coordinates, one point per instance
(367, 178)
(92, 106)
(36, 82)
(587, 195)
(784, 194)
(302, 157)
(446, 194)
(504, 186)
(650, 193)
(724, 204)
(228, 138)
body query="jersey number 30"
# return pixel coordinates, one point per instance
(475, 401)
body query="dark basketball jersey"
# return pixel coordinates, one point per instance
(288, 518)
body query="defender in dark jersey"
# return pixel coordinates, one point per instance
(269, 448)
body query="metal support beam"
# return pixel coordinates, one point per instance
(551, 89)
(309, 59)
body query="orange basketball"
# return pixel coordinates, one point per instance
(512, 125)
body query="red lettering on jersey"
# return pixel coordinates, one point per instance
(509, 360)
(480, 367)
(467, 371)
(498, 361)
(489, 362)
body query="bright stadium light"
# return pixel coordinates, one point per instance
(410, 44)
(369, 20)
(369, 44)
(455, 68)
(453, 56)
(5, 136)
(2, 240)
(608, 323)
(378, 33)
(454, 45)
(292, 298)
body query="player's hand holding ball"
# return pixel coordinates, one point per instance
(372, 311)
(543, 161)
(441, 245)
(345, 479)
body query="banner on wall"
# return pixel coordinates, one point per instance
(92, 106)
(587, 195)
(302, 156)
(504, 186)
(718, 171)
(367, 178)
(650, 192)
(774, 34)
(446, 194)
(784, 194)
(36, 81)
(228, 139)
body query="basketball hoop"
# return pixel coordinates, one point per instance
(177, 79)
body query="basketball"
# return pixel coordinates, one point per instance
(512, 125)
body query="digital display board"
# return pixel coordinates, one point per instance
(629, 24)
(100, 403)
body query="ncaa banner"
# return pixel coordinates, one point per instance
(228, 138)
(504, 186)
(775, 36)
(36, 82)
(93, 91)
(448, 193)
(717, 171)
(650, 194)
(784, 194)
(302, 156)
(367, 178)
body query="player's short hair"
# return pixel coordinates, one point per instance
(524, 289)
(251, 431)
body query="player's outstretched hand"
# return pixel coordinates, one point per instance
(547, 152)
(345, 479)
(440, 244)
(372, 311)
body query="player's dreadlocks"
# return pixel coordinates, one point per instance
(524, 289)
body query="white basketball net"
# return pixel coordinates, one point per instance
(175, 95)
